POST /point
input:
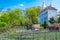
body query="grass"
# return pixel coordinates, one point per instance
(42, 36)
(30, 35)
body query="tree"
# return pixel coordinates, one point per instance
(13, 18)
(33, 13)
(16, 17)
(44, 25)
(28, 24)
(4, 21)
(32, 16)
(5, 17)
(2, 24)
(58, 19)
(52, 20)
(22, 21)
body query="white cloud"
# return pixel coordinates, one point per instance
(21, 5)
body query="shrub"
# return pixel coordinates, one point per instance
(44, 25)
(2, 24)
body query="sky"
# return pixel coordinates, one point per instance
(22, 4)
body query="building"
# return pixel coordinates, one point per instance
(47, 13)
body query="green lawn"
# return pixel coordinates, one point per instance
(30, 35)
(42, 36)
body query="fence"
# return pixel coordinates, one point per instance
(32, 35)
(37, 35)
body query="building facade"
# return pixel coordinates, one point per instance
(47, 13)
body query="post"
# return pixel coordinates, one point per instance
(21, 36)
(44, 35)
(56, 35)
(33, 35)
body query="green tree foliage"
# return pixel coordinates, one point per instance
(59, 19)
(5, 17)
(44, 25)
(22, 21)
(2, 24)
(13, 18)
(16, 17)
(28, 23)
(32, 16)
(52, 20)
(33, 13)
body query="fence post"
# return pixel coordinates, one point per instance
(33, 35)
(44, 35)
(21, 36)
(56, 35)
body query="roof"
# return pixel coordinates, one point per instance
(49, 7)
(36, 26)
(55, 25)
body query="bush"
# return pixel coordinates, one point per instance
(44, 25)
(2, 24)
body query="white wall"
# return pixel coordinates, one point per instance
(52, 13)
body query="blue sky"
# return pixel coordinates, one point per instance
(22, 4)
